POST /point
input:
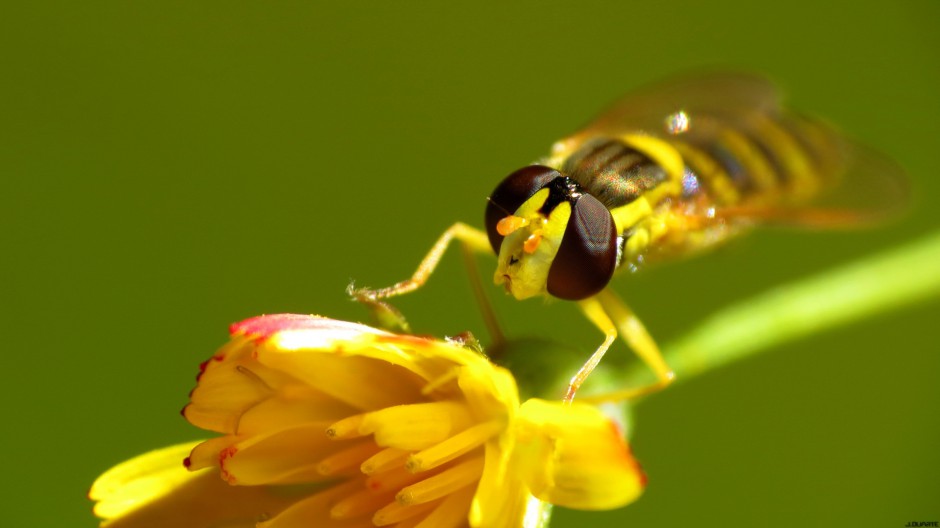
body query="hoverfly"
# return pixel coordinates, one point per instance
(665, 172)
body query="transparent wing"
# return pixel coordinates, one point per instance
(726, 96)
(845, 184)
(858, 187)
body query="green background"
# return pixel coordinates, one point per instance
(171, 167)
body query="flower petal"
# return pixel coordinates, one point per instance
(489, 391)
(376, 383)
(225, 390)
(416, 426)
(286, 456)
(574, 456)
(501, 496)
(154, 489)
(206, 454)
(451, 512)
(291, 406)
(315, 507)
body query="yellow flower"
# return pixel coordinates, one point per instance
(333, 424)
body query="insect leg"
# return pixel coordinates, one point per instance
(594, 311)
(608, 312)
(497, 337)
(472, 238)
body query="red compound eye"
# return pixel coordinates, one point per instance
(587, 256)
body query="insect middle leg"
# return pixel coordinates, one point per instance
(610, 314)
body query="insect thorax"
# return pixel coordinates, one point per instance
(613, 172)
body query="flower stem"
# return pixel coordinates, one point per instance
(880, 283)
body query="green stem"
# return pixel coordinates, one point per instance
(876, 284)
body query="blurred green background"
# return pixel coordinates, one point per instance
(172, 167)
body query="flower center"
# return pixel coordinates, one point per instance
(416, 460)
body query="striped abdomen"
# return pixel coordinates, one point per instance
(781, 160)
(757, 162)
(761, 159)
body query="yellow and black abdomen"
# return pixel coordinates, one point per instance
(664, 191)
(769, 160)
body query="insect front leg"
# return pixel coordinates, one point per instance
(472, 238)
(610, 315)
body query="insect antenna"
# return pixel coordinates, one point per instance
(503, 209)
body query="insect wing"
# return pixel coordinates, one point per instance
(872, 189)
(845, 184)
(656, 109)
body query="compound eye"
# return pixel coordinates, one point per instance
(511, 193)
(587, 256)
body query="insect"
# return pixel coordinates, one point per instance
(665, 172)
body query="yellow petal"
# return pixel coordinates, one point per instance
(442, 484)
(140, 480)
(574, 456)
(384, 460)
(361, 382)
(287, 456)
(490, 391)
(313, 510)
(395, 512)
(416, 426)
(206, 454)
(451, 512)
(348, 460)
(154, 489)
(224, 392)
(453, 447)
(290, 406)
(500, 499)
